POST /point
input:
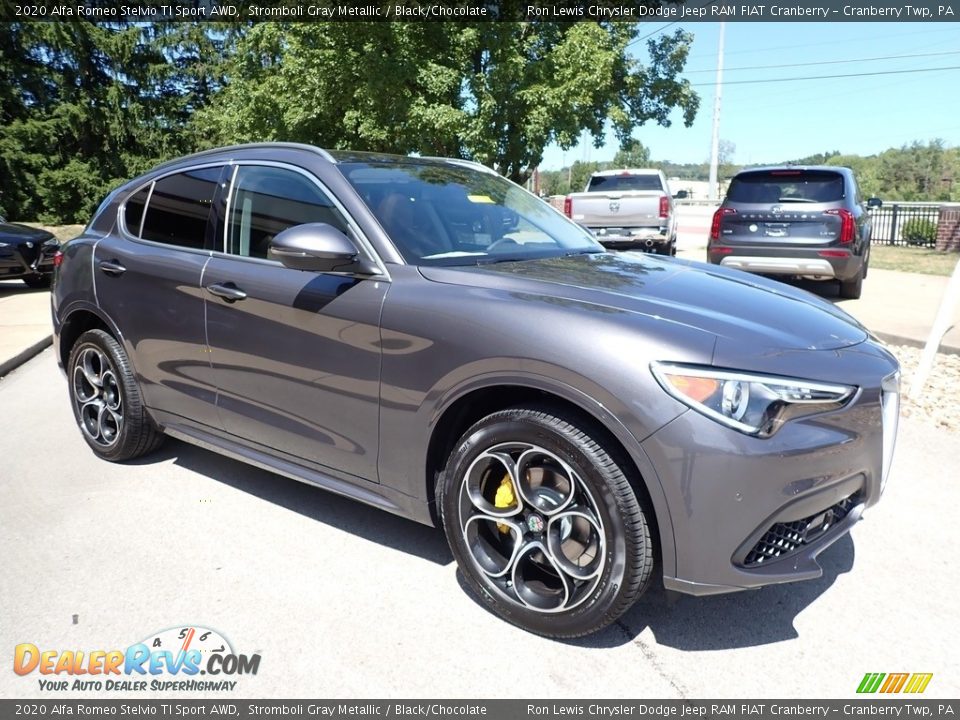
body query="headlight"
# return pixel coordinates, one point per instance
(51, 242)
(2, 244)
(753, 404)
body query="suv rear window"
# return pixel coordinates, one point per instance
(624, 183)
(780, 186)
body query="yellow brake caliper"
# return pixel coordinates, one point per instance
(505, 498)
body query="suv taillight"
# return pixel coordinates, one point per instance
(568, 206)
(717, 219)
(847, 227)
(664, 206)
(57, 259)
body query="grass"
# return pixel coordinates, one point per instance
(62, 232)
(925, 261)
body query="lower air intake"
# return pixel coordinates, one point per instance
(785, 538)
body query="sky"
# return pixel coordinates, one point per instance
(779, 120)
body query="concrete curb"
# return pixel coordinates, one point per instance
(20, 358)
(892, 339)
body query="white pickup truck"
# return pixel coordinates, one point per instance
(627, 209)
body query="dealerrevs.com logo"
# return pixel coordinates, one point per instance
(177, 659)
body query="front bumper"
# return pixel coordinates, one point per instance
(20, 261)
(802, 262)
(748, 512)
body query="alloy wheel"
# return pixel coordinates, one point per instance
(532, 527)
(97, 397)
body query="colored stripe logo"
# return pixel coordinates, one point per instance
(894, 682)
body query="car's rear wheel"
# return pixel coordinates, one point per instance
(106, 399)
(853, 288)
(37, 281)
(544, 523)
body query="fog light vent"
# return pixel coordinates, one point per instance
(783, 539)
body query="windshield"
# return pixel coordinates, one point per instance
(445, 214)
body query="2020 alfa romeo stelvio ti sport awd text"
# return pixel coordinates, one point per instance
(424, 336)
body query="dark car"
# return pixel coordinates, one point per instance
(26, 253)
(806, 222)
(426, 337)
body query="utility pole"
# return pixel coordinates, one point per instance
(715, 145)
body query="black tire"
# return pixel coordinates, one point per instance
(97, 357)
(602, 518)
(853, 288)
(37, 281)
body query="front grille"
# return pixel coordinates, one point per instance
(784, 539)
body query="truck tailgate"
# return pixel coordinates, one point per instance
(623, 209)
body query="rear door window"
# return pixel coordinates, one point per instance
(783, 186)
(179, 208)
(624, 183)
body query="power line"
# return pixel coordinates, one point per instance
(664, 27)
(651, 34)
(841, 41)
(829, 62)
(827, 77)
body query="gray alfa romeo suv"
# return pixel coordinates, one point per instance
(426, 337)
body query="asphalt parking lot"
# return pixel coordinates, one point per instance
(342, 600)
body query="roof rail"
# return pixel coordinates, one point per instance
(243, 146)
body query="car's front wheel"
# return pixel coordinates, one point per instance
(106, 399)
(544, 523)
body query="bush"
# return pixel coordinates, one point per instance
(918, 231)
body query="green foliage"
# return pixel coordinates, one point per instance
(633, 154)
(85, 106)
(498, 92)
(919, 231)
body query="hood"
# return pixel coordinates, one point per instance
(16, 233)
(733, 305)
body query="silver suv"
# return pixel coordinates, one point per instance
(797, 221)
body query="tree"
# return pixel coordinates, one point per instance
(497, 92)
(725, 151)
(633, 154)
(580, 173)
(85, 106)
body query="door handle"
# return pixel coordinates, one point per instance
(228, 291)
(111, 267)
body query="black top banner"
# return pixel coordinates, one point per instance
(478, 11)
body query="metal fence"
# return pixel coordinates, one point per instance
(906, 224)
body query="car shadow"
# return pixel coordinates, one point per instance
(718, 622)
(684, 622)
(326, 507)
(827, 289)
(721, 622)
(17, 287)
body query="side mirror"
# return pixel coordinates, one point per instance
(680, 195)
(874, 202)
(318, 247)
